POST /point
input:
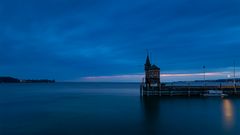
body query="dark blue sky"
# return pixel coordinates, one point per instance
(106, 40)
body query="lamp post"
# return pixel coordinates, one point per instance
(204, 77)
(234, 77)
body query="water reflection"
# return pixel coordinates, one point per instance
(228, 113)
(151, 114)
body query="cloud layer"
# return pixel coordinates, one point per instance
(71, 39)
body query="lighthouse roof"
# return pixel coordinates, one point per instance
(154, 67)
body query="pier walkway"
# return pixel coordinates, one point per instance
(187, 90)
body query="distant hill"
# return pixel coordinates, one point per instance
(220, 80)
(9, 80)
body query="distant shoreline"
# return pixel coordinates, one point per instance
(15, 80)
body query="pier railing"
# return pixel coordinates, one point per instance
(186, 90)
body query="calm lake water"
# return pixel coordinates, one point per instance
(110, 109)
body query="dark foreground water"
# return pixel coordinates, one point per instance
(110, 109)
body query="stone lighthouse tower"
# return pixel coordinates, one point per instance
(152, 75)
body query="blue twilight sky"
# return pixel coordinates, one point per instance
(106, 40)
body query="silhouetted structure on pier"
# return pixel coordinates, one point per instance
(152, 74)
(151, 84)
